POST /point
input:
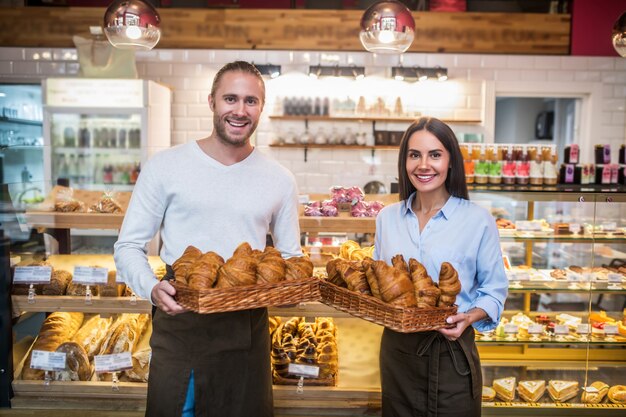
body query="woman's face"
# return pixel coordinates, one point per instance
(427, 162)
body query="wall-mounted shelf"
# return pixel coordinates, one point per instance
(16, 121)
(366, 119)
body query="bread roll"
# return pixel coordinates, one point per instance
(92, 333)
(77, 367)
(58, 327)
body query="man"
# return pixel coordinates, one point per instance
(207, 193)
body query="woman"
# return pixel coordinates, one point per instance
(438, 372)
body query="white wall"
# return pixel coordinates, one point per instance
(474, 79)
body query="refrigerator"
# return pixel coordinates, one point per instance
(98, 132)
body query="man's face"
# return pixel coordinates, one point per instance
(236, 107)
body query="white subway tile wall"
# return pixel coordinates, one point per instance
(189, 74)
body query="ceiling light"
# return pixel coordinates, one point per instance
(316, 71)
(132, 24)
(398, 73)
(419, 73)
(272, 70)
(619, 35)
(387, 27)
(441, 74)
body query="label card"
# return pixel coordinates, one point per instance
(522, 276)
(574, 276)
(590, 389)
(32, 274)
(610, 328)
(583, 328)
(609, 226)
(90, 275)
(113, 363)
(309, 371)
(574, 228)
(561, 329)
(47, 361)
(511, 328)
(535, 329)
(613, 277)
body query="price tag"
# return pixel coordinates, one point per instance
(535, 329)
(303, 198)
(113, 363)
(613, 277)
(574, 228)
(47, 361)
(610, 328)
(90, 275)
(561, 329)
(309, 371)
(590, 389)
(511, 328)
(522, 276)
(32, 274)
(523, 225)
(609, 226)
(574, 276)
(583, 328)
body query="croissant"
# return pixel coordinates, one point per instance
(370, 275)
(324, 324)
(238, 270)
(398, 262)
(395, 286)
(426, 292)
(291, 325)
(306, 333)
(243, 249)
(334, 277)
(308, 356)
(352, 273)
(449, 285)
(299, 267)
(181, 265)
(203, 272)
(271, 266)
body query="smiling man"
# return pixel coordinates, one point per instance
(206, 193)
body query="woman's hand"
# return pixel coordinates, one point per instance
(163, 297)
(462, 321)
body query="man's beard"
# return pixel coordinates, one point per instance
(224, 137)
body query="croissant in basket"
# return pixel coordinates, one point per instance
(299, 267)
(181, 265)
(238, 270)
(271, 266)
(334, 276)
(426, 292)
(449, 285)
(353, 274)
(394, 285)
(203, 272)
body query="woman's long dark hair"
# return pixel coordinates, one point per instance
(455, 182)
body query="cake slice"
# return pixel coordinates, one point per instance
(594, 393)
(505, 388)
(531, 391)
(488, 394)
(561, 391)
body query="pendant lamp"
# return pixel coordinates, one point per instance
(132, 24)
(619, 35)
(387, 27)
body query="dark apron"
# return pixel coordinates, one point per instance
(425, 374)
(229, 354)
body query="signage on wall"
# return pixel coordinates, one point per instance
(77, 92)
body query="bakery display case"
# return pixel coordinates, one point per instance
(560, 348)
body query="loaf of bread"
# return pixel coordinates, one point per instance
(22, 289)
(123, 336)
(58, 327)
(59, 280)
(112, 288)
(81, 289)
(141, 358)
(77, 366)
(92, 333)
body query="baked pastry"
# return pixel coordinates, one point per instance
(594, 393)
(182, 264)
(202, 274)
(449, 285)
(92, 333)
(505, 388)
(59, 281)
(69, 206)
(124, 334)
(243, 249)
(561, 391)
(347, 248)
(107, 204)
(77, 367)
(238, 270)
(57, 328)
(617, 394)
(399, 262)
(271, 266)
(394, 285)
(489, 394)
(352, 273)
(299, 267)
(426, 292)
(334, 277)
(141, 357)
(112, 288)
(531, 391)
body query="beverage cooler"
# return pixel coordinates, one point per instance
(98, 132)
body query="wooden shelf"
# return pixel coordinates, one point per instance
(383, 119)
(342, 223)
(337, 147)
(56, 220)
(69, 303)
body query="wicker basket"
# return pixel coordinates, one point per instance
(219, 300)
(403, 320)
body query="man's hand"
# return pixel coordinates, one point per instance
(462, 321)
(163, 297)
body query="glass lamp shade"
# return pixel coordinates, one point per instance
(132, 24)
(387, 27)
(619, 35)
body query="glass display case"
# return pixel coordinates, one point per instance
(562, 334)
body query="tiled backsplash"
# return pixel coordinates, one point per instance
(189, 74)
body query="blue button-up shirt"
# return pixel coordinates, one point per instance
(461, 233)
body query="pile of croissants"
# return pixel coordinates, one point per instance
(247, 266)
(297, 341)
(401, 284)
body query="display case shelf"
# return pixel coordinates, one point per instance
(16, 121)
(69, 303)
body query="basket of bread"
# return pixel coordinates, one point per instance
(205, 283)
(401, 296)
